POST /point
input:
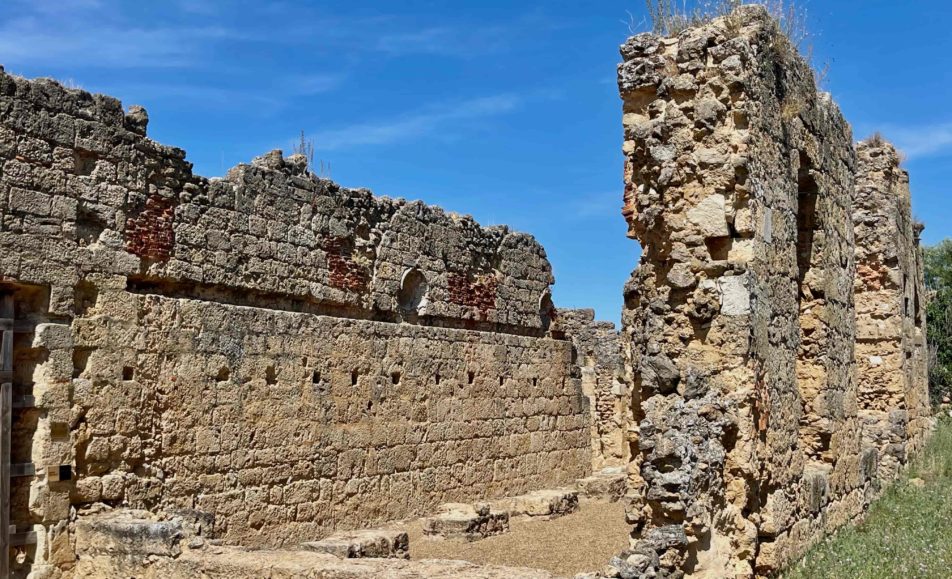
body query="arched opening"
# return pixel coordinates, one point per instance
(547, 311)
(413, 288)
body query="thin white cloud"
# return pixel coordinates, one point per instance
(443, 40)
(275, 95)
(105, 34)
(201, 7)
(58, 7)
(311, 84)
(415, 125)
(925, 141)
(35, 40)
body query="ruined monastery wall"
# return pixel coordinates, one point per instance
(267, 357)
(605, 382)
(891, 354)
(739, 320)
(279, 355)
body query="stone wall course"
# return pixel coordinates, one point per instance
(237, 346)
(740, 324)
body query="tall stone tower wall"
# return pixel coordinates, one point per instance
(891, 355)
(740, 322)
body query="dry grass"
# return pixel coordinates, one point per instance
(671, 17)
(305, 146)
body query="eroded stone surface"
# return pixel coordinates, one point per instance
(467, 521)
(606, 485)
(606, 383)
(368, 543)
(283, 355)
(543, 503)
(740, 322)
(891, 354)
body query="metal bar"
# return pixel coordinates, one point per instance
(22, 469)
(6, 324)
(6, 431)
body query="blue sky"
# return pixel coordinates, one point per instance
(504, 110)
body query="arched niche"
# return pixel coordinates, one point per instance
(413, 288)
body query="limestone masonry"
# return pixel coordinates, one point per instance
(604, 382)
(269, 351)
(260, 375)
(758, 432)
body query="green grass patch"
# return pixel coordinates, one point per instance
(907, 532)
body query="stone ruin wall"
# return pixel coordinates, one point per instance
(272, 353)
(891, 356)
(605, 382)
(274, 356)
(752, 435)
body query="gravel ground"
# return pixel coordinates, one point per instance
(582, 541)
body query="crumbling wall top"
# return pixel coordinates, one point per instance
(267, 230)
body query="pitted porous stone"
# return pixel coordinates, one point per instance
(283, 356)
(744, 188)
(370, 543)
(607, 485)
(136, 534)
(466, 521)
(545, 503)
(606, 383)
(891, 353)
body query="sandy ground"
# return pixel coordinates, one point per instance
(576, 543)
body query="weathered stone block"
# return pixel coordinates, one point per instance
(371, 543)
(609, 485)
(544, 503)
(125, 532)
(466, 521)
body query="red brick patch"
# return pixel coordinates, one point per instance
(150, 234)
(475, 291)
(345, 273)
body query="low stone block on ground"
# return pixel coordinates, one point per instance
(466, 521)
(368, 543)
(608, 485)
(545, 503)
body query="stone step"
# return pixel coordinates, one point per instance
(543, 503)
(368, 543)
(467, 521)
(608, 485)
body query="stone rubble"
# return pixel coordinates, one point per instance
(549, 503)
(608, 485)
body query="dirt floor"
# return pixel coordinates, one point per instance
(576, 543)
